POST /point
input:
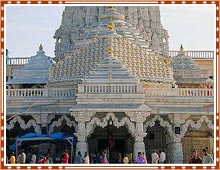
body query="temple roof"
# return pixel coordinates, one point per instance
(126, 45)
(185, 70)
(36, 71)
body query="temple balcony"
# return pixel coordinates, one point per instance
(195, 54)
(13, 93)
(149, 92)
(17, 61)
(179, 92)
(163, 101)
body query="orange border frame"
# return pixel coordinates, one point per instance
(175, 166)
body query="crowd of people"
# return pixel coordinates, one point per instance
(32, 158)
(155, 158)
(101, 158)
(207, 158)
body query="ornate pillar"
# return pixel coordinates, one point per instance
(43, 120)
(81, 135)
(82, 118)
(139, 118)
(175, 150)
(174, 145)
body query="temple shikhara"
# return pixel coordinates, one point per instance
(114, 85)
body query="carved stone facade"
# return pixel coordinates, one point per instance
(109, 64)
(145, 19)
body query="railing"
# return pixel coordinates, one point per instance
(40, 92)
(178, 92)
(195, 54)
(24, 92)
(110, 89)
(17, 61)
(62, 92)
(149, 92)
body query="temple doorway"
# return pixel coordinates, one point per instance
(114, 141)
(155, 140)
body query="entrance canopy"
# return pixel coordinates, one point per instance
(31, 139)
(35, 138)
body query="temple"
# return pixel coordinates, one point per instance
(114, 76)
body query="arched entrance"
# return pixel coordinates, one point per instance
(155, 139)
(198, 135)
(112, 134)
(115, 141)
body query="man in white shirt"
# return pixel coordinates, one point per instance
(154, 157)
(23, 157)
(162, 157)
(86, 158)
(33, 158)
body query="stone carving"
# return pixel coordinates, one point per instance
(175, 153)
(58, 123)
(196, 125)
(22, 124)
(81, 44)
(163, 123)
(36, 71)
(97, 122)
(146, 19)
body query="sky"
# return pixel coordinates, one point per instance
(29, 26)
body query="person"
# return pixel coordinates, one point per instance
(86, 158)
(98, 158)
(104, 160)
(119, 158)
(145, 159)
(154, 157)
(57, 158)
(33, 158)
(162, 157)
(78, 159)
(125, 159)
(140, 158)
(28, 155)
(195, 159)
(65, 158)
(104, 155)
(42, 160)
(12, 158)
(23, 157)
(207, 159)
(19, 158)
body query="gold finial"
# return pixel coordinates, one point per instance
(110, 51)
(181, 47)
(40, 47)
(111, 26)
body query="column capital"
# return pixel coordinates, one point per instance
(178, 119)
(139, 136)
(42, 118)
(81, 136)
(174, 138)
(138, 116)
(82, 116)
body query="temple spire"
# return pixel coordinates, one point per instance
(181, 48)
(40, 51)
(40, 47)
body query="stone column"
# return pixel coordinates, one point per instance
(139, 145)
(82, 118)
(175, 150)
(174, 145)
(139, 118)
(82, 144)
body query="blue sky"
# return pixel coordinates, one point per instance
(28, 26)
